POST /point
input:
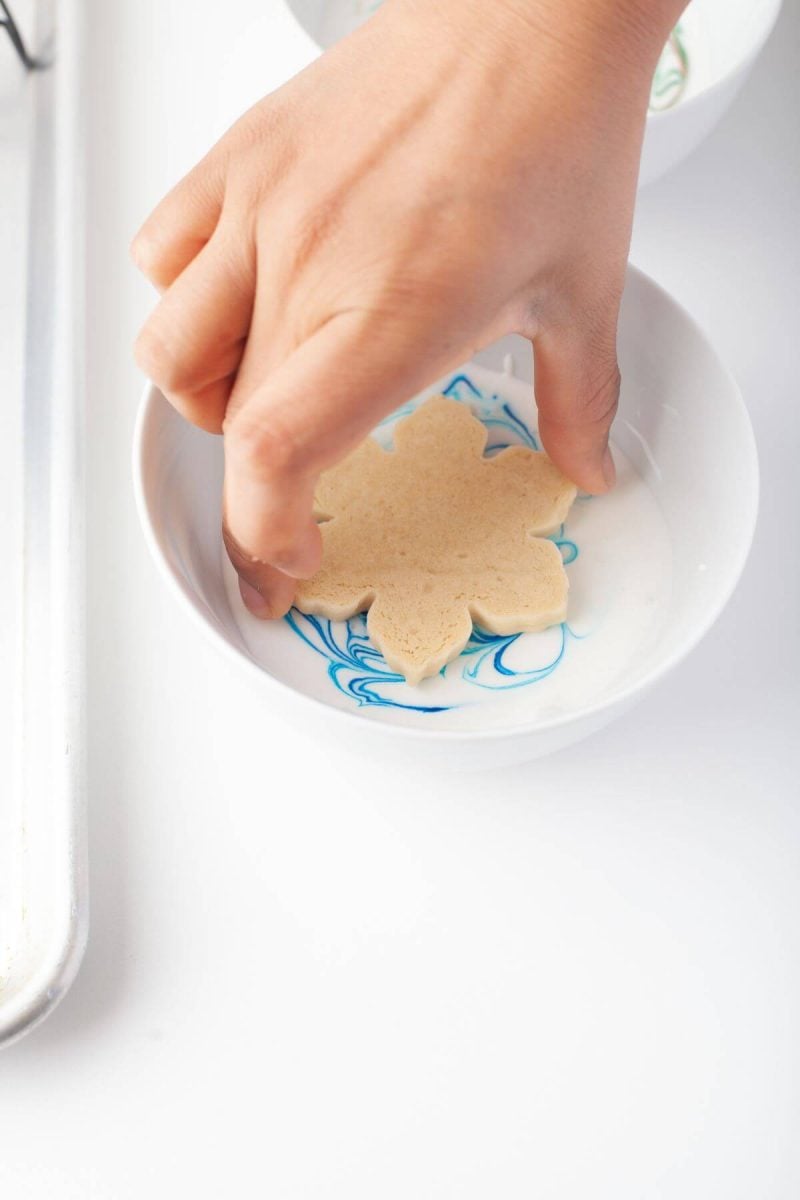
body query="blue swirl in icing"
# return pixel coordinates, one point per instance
(489, 650)
(355, 666)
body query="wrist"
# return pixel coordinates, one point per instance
(644, 24)
(613, 34)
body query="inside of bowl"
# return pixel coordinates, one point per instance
(715, 36)
(649, 566)
(724, 34)
(181, 472)
(682, 422)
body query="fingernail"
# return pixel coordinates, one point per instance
(297, 568)
(609, 470)
(253, 600)
(305, 556)
(289, 566)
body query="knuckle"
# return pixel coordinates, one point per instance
(276, 543)
(157, 356)
(262, 447)
(601, 395)
(282, 549)
(312, 228)
(145, 252)
(149, 352)
(264, 126)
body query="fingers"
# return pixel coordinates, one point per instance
(179, 227)
(192, 343)
(265, 591)
(577, 388)
(307, 415)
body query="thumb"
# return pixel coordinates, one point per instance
(576, 381)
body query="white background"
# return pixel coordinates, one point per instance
(577, 980)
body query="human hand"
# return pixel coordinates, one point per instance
(448, 174)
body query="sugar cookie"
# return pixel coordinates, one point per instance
(433, 536)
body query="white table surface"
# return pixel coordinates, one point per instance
(577, 980)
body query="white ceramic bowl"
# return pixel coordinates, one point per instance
(656, 561)
(722, 39)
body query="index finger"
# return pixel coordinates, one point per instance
(307, 415)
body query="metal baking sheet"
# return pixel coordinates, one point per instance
(43, 878)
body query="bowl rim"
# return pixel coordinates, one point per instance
(741, 65)
(152, 399)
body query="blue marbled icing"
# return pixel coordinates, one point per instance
(355, 667)
(360, 672)
(489, 650)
